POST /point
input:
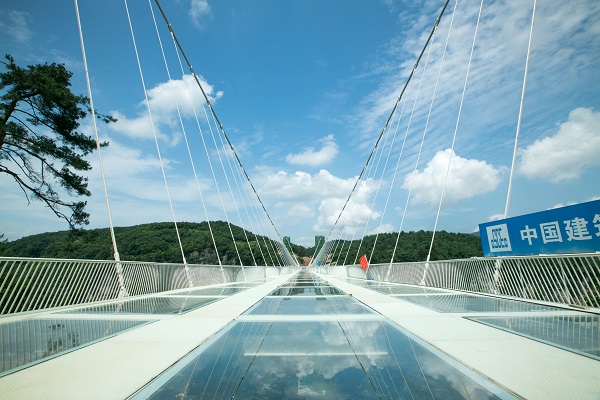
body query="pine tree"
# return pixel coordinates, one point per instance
(40, 145)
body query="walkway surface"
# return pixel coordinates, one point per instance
(303, 336)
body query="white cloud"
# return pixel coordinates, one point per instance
(199, 9)
(303, 196)
(357, 213)
(384, 228)
(312, 158)
(563, 55)
(18, 26)
(467, 178)
(167, 101)
(166, 96)
(564, 156)
(496, 217)
(304, 187)
(571, 203)
(300, 210)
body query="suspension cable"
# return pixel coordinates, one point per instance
(185, 133)
(409, 122)
(437, 21)
(216, 118)
(514, 158)
(423, 136)
(93, 112)
(462, 98)
(393, 177)
(208, 102)
(162, 167)
(119, 268)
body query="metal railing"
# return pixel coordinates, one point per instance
(28, 284)
(568, 279)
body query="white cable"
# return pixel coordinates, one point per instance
(514, 158)
(412, 112)
(232, 195)
(207, 156)
(462, 98)
(387, 200)
(423, 137)
(119, 268)
(246, 206)
(154, 133)
(378, 186)
(183, 127)
(215, 178)
(89, 88)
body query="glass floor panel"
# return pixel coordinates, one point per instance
(29, 341)
(307, 291)
(244, 284)
(466, 304)
(309, 306)
(404, 289)
(288, 285)
(212, 291)
(318, 360)
(395, 288)
(576, 333)
(148, 305)
(307, 283)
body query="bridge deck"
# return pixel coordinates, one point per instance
(302, 336)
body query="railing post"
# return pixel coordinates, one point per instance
(425, 272)
(389, 271)
(496, 283)
(119, 269)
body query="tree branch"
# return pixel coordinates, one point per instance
(51, 203)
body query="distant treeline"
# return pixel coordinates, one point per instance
(157, 242)
(412, 246)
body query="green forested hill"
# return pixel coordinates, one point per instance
(412, 246)
(150, 242)
(158, 242)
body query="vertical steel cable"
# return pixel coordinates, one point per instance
(116, 256)
(437, 217)
(162, 167)
(162, 50)
(514, 157)
(437, 21)
(389, 195)
(89, 89)
(426, 127)
(217, 121)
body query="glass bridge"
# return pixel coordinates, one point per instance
(303, 336)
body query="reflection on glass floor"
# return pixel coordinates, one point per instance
(211, 291)
(394, 288)
(577, 333)
(316, 359)
(149, 305)
(309, 306)
(465, 303)
(405, 289)
(28, 341)
(307, 291)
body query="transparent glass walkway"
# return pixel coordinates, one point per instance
(308, 339)
(305, 336)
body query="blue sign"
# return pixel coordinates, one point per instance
(570, 229)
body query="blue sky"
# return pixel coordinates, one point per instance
(303, 89)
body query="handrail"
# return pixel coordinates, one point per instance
(29, 284)
(572, 279)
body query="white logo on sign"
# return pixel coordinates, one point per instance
(498, 238)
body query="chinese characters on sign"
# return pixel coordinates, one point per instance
(571, 229)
